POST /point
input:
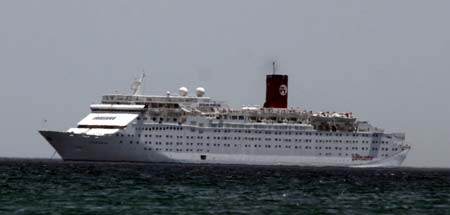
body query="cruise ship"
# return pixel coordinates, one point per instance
(186, 128)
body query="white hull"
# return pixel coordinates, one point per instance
(79, 147)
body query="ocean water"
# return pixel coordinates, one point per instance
(56, 187)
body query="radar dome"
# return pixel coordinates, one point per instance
(183, 91)
(200, 91)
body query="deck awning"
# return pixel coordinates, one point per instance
(108, 119)
(117, 107)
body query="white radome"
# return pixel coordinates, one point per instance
(183, 91)
(200, 91)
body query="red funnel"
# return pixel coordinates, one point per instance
(276, 91)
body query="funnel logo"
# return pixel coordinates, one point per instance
(283, 90)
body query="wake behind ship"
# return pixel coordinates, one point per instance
(198, 129)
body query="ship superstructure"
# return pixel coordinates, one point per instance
(199, 129)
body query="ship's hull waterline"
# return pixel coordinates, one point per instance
(78, 147)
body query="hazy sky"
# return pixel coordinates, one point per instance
(386, 61)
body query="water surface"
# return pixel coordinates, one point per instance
(56, 187)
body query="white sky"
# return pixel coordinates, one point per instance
(386, 61)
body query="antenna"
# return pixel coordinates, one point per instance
(273, 67)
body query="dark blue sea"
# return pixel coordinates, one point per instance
(56, 187)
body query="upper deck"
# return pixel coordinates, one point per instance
(218, 110)
(275, 110)
(143, 99)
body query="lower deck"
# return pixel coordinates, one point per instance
(174, 143)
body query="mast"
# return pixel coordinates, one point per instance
(136, 86)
